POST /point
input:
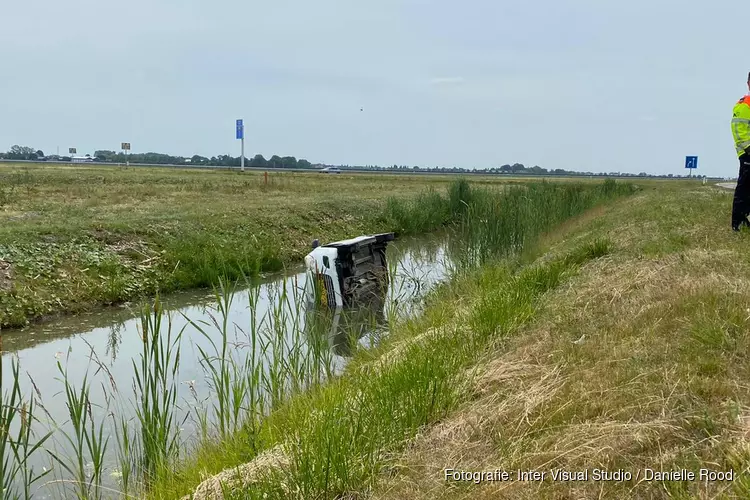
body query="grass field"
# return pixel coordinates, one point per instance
(638, 361)
(289, 402)
(619, 343)
(75, 237)
(336, 437)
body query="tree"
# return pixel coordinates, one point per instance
(258, 161)
(39, 153)
(289, 162)
(104, 155)
(227, 161)
(21, 150)
(21, 153)
(275, 162)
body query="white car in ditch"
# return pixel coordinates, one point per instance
(346, 273)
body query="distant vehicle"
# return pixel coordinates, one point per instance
(330, 170)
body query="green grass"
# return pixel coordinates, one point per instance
(82, 236)
(77, 237)
(337, 432)
(338, 436)
(640, 361)
(498, 226)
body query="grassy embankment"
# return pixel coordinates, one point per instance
(620, 341)
(75, 237)
(639, 361)
(491, 222)
(337, 438)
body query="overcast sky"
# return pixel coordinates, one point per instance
(587, 85)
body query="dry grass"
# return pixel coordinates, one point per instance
(641, 361)
(243, 476)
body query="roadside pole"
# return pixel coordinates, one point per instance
(126, 148)
(241, 137)
(691, 162)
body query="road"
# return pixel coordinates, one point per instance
(727, 185)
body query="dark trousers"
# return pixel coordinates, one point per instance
(741, 205)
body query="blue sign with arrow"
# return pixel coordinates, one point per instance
(691, 162)
(240, 129)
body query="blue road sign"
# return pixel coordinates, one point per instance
(691, 162)
(240, 129)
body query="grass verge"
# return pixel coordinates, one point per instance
(412, 380)
(637, 365)
(340, 437)
(337, 438)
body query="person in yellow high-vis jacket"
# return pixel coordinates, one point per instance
(741, 133)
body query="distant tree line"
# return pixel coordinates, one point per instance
(218, 161)
(258, 161)
(515, 169)
(22, 153)
(107, 156)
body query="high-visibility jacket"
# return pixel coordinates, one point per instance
(741, 125)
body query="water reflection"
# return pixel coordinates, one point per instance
(345, 327)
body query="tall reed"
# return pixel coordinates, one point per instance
(498, 224)
(17, 475)
(86, 440)
(155, 389)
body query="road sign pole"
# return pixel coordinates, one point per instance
(240, 134)
(125, 147)
(691, 162)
